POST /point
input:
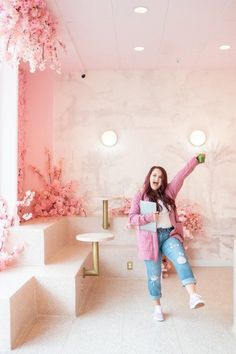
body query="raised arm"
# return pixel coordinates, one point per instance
(135, 218)
(175, 185)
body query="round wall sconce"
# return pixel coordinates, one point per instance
(197, 137)
(109, 138)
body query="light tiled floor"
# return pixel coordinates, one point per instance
(117, 320)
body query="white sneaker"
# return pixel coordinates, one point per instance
(158, 314)
(196, 301)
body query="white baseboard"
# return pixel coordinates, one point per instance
(211, 263)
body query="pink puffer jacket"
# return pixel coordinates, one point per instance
(147, 240)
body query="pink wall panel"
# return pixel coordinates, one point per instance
(39, 123)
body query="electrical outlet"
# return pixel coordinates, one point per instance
(130, 265)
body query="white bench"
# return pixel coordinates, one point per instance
(46, 280)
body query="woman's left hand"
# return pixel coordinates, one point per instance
(201, 158)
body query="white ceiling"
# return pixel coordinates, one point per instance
(101, 34)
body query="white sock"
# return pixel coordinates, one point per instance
(158, 308)
(194, 294)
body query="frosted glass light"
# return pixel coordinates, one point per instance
(224, 47)
(197, 137)
(140, 10)
(109, 138)
(139, 49)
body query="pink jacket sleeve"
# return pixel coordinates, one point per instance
(135, 218)
(175, 185)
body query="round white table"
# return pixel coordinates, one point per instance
(95, 238)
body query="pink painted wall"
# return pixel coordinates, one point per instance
(39, 123)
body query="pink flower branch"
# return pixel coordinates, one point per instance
(123, 209)
(9, 254)
(28, 32)
(56, 198)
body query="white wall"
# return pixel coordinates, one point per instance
(153, 113)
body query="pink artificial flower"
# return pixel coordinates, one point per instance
(2, 265)
(123, 209)
(61, 211)
(72, 210)
(52, 212)
(27, 216)
(191, 219)
(55, 198)
(18, 249)
(16, 25)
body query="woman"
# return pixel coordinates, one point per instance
(167, 239)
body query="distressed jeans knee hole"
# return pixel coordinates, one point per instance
(154, 278)
(181, 260)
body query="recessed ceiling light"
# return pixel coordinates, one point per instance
(140, 10)
(225, 47)
(139, 49)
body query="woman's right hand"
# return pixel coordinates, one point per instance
(155, 216)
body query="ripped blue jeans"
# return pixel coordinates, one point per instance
(173, 249)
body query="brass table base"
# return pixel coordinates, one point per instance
(105, 222)
(95, 269)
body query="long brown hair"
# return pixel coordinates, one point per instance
(159, 194)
